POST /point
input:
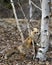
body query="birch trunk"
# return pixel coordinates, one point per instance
(30, 11)
(44, 30)
(14, 11)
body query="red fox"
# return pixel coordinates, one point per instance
(28, 41)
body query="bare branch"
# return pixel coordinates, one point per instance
(25, 18)
(22, 10)
(36, 6)
(40, 1)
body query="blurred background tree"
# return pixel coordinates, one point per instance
(6, 3)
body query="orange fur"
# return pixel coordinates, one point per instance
(28, 42)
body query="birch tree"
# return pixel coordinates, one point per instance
(41, 54)
(30, 10)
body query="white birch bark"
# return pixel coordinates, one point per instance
(51, 1)
(30, 10)
(40, 1)
(44, 30)
(14, 11)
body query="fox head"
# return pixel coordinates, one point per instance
(34, 32)
(29, 39)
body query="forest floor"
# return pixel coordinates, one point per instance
(10, 39)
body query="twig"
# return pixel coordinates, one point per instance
(36, 6)
(33, 50)
(5, 49)
(14, 11)
(51, 7)
(22, 10)
(40, 1)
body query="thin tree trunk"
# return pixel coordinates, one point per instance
(30, 10)
(30, 19)
(18, 26)
(44, 30)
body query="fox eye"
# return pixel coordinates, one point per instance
(35, 32)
